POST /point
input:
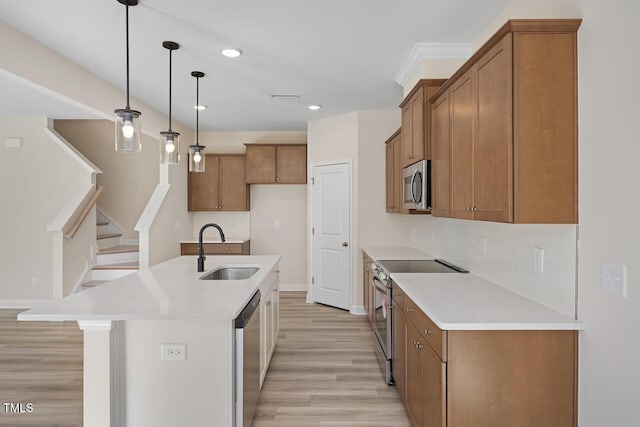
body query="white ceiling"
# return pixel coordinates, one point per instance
(342, 54)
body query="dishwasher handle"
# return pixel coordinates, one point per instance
(248, 311)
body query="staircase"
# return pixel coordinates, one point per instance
(114, 256)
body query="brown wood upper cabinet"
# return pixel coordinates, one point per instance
(416, 116)
(511, 128)
(394, 173)
(276, 163)
(222, 186)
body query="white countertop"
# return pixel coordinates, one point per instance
(396, 253)
(227, 240)
(170, 290)
(456, 301)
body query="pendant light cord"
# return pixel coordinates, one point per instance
(170, 55)
(197, 109)
(127, 19)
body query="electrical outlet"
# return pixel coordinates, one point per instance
(34, 282)
(276, 223)
(538, 260)
(178, 226)
(173, 352)
(483, 246)
(614, 279)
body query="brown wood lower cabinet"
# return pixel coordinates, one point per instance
(367, 293)
(216, 248)
(482, 378)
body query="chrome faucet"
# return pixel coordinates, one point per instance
(201, 256)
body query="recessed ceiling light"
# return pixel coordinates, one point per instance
(314, 107)
(231, 52)
(200, 107)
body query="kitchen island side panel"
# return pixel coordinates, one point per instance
(195, 392)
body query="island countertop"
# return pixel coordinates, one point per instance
(169, 290)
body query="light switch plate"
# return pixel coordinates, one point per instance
(276, 223)
(13, 142)
(483, 246)
(538, 260)
(614, 279)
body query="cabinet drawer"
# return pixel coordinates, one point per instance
(436, 337)
(212, 249)
(397, 295)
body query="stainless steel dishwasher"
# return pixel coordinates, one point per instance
(247, 362)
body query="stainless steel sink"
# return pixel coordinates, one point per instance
(230, 273)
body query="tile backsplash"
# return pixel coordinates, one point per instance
(510, 255)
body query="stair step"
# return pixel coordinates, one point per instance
(93, 283)
(119, 249)
(99, 223)
(119, 266)
(107, 236)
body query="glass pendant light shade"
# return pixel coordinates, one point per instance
(127, 130)
(170, 147)
(127, 121)
(197, 158)
(196, 151)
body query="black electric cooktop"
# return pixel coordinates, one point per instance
(421, 266)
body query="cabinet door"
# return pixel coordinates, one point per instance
(390, 177)
(414, 401)
(463, 112)
(365, 285)
(261, 164)
(434, 374)
(440, 141)
(291, 164)
(398, 344)
(417, 126)
(493, 147)
(397, 175)
(407, 134)
(233, 183)
(204, 186)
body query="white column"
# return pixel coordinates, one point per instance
(102, 390)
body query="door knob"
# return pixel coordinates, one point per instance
(345, 244)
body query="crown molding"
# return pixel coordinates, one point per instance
(422, 51)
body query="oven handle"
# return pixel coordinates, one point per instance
(382, 288)
(413, 180)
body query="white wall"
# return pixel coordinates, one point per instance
(267, 203)
(279, 227)
(35, 182)
(609, 66)
(435, 68)
(360, 137)
(128, 178)
(172, 223)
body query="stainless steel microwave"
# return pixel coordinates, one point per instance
(416, 186)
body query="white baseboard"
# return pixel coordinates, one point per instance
(288, 287)
(309, 298)
(358, 310)
(19, 303)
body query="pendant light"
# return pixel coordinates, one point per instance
(170, 140)
(196, 152)
(127, 121)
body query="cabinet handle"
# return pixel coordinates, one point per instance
(418, 345)
(277, 179)
(409, 310)
(274, 179)
(414, 342)
(269, 302)
(474, 209)
(427, 331)
(227, 248)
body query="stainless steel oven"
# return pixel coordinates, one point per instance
(381, 286)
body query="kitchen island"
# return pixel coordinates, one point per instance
(127, 320)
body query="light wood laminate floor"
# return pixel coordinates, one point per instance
(40, 363)
(324, 372)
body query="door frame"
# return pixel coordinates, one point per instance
(352, 252)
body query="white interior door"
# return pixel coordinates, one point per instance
(331, 258)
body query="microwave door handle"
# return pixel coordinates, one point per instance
(413, 180)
